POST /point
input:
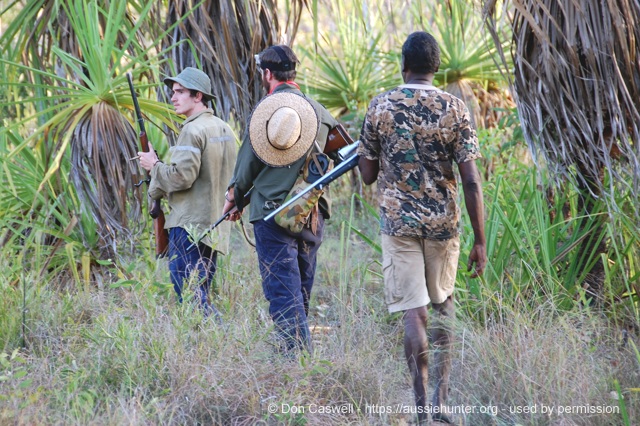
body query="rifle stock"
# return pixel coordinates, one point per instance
(162, 235)
(337, 138)
(155, 210)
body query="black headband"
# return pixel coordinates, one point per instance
(285, 63)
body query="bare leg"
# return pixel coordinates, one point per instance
(442, 335)
(416, 344)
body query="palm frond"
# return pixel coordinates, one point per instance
(77, 101)
(224, 36)
(577, 85)
(347, 65)
(470, 62)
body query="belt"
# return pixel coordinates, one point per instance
(271, 205)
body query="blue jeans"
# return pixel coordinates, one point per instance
(288, 266)
(186, 262)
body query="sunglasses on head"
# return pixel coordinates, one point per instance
(257, 59)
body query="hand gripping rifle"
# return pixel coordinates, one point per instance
(245, 201)
(162, 236)
(348, 159)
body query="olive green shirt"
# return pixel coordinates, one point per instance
(195, 179)
(272, 184)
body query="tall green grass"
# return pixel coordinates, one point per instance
(531, 256)
(126, 352)
(534, 250)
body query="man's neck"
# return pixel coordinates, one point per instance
(418, 78)
(197, 110)
(275, 83)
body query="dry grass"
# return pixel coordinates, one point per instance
(132, 356)
(544, 358)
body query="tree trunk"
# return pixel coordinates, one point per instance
(589, 185)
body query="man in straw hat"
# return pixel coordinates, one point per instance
(285, 126)
(194, 181)
(410, 139)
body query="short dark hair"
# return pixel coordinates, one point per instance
(273, 57)
(205, 99)
(421, 53)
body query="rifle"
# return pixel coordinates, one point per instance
(162, 236)
(337, 138)
(347, 158)
(245, 201)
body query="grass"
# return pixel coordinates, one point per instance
(544, 364)
(103, 342)
(120, 350)
(130, 355)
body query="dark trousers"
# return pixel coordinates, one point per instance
(187, 262)
(288, 265)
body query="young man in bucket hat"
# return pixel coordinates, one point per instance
(284, 127)
(194, 181)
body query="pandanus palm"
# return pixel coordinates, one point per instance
(577, 84)
(222, 37)
(469, 59)
(74, 60)
(74, 56)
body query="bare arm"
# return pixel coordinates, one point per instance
(472, 187)
(230, 206)
(369, 170)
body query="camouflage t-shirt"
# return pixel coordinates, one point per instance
(416, 135)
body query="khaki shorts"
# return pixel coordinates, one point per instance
(418, 271)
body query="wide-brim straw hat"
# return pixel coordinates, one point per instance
(194, 79)
(282, 129)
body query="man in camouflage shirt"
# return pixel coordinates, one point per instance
(410, 139)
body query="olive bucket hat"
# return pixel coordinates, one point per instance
(194, 79)
(283, 127)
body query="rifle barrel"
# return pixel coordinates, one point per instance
(136, 106)
(325, 180)
(245, 201)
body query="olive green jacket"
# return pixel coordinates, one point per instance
(272, 184)
(196, 176)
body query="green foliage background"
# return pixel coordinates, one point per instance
(90, 332)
